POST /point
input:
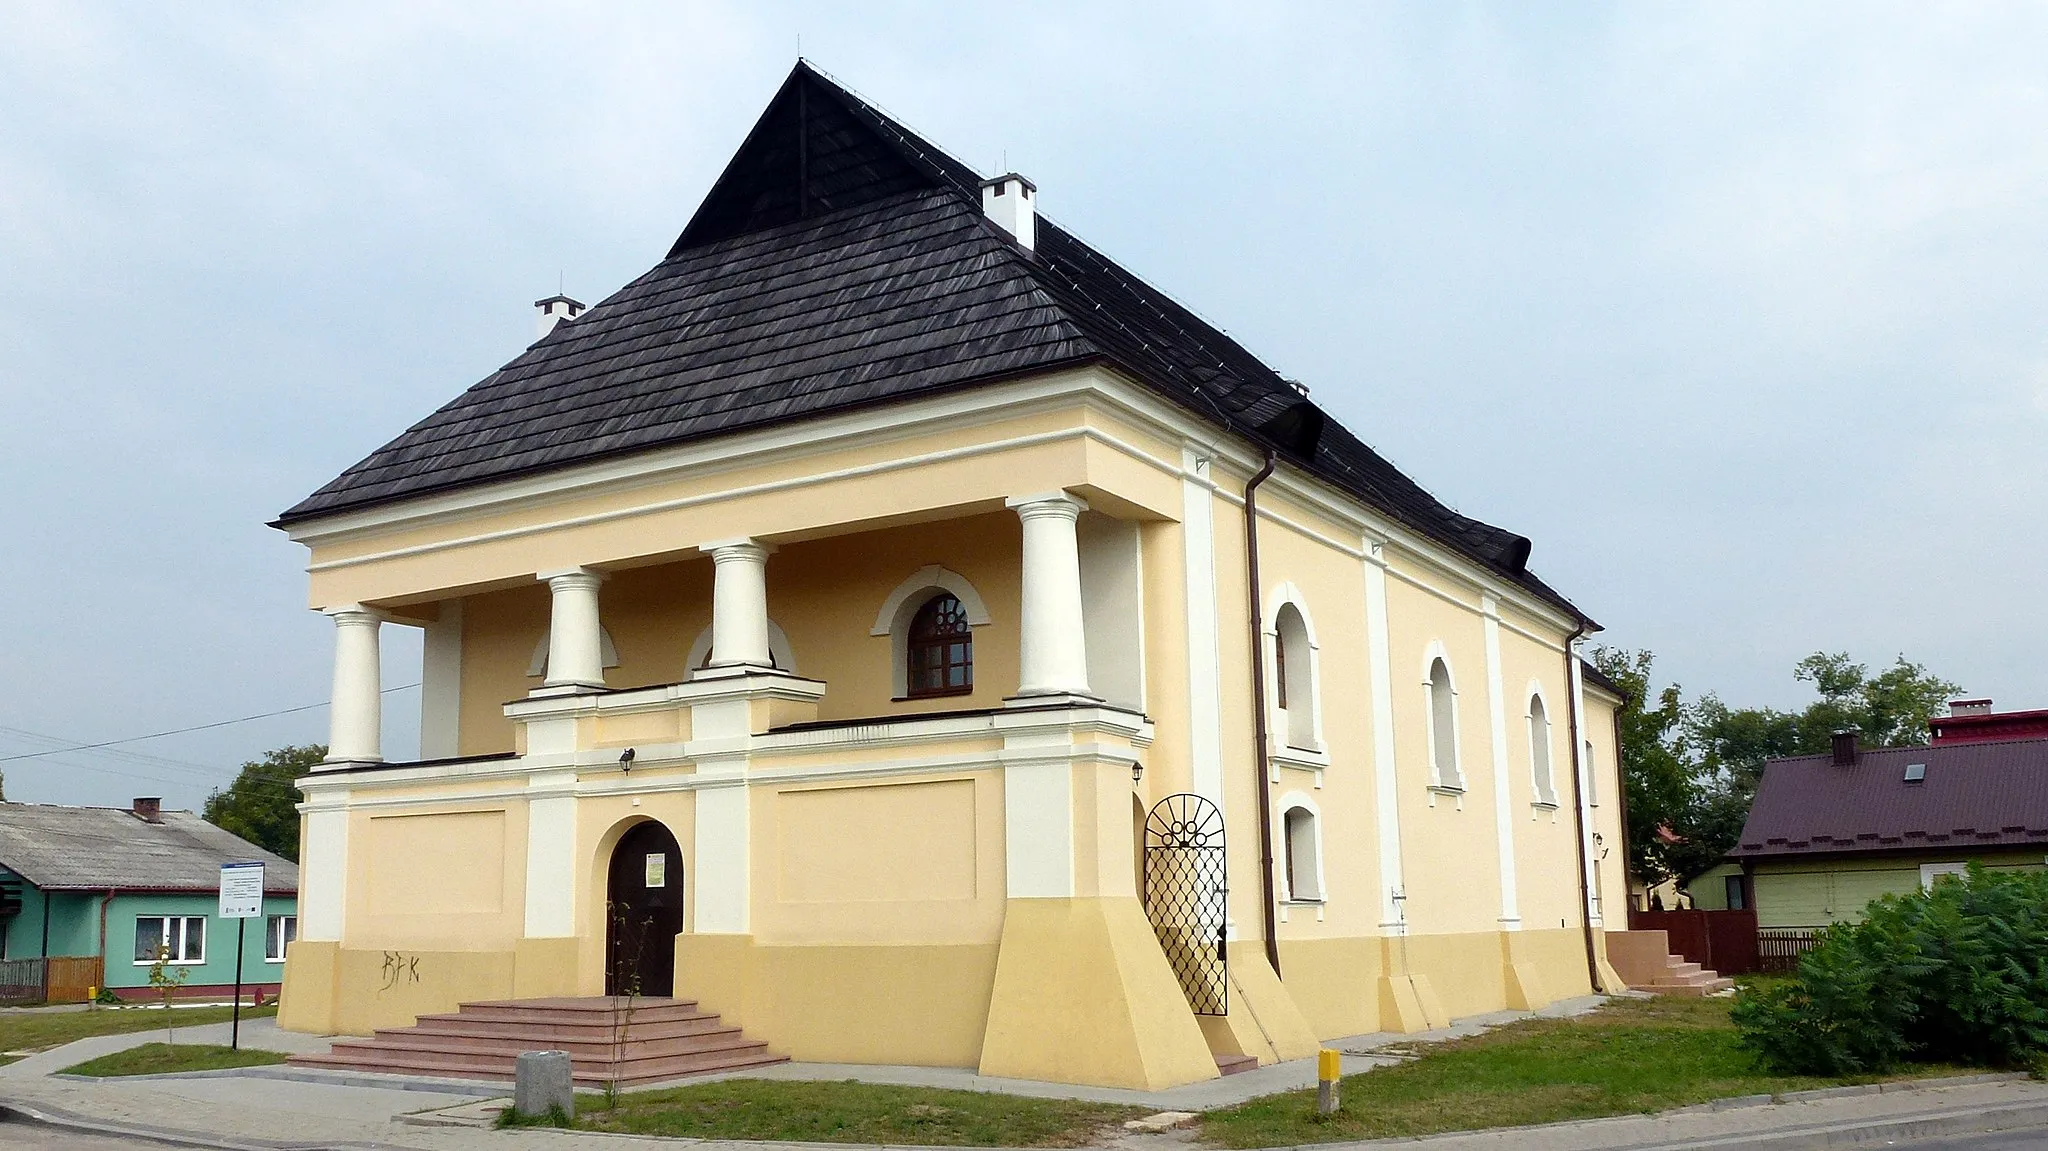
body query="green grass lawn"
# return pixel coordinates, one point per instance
(162, 1059)
(36, 1030)
(1632, 1055)
(848, 1112)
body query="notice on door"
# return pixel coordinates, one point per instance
(657, 870)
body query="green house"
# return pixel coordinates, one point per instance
(89, 896)
(1827, 834)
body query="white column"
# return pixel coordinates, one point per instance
(551, 855)
(323, 868)
(1053, 653)
(1579, 770)
(1386, 781)
(575, 638)
(739, 604)
(1205, 679)
(355, 713)
(1503, 799)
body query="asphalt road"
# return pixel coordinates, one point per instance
(2029, 1139)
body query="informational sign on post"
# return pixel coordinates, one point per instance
(241, 890)
(241, 899)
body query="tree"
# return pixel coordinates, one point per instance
(261, 805)
(1692, 768)
(1657, 778)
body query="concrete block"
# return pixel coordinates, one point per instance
(542, 1082)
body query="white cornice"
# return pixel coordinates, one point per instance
(960, 409)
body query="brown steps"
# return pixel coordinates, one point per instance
(1236, 1064)
(664, 1039)
(1681, 977)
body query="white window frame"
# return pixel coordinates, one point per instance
(1455, 785)
(1300, 724)
(1319, 893)
(780, 653)
(184, 932)
(1543, 783)
(892, 621)
(272, 930)
(1929, 872)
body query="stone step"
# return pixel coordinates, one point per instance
(585, 1074)
(1677, 969)
(574, 1011)
(510, 1046)
(1236, 1064)
(539, 1030)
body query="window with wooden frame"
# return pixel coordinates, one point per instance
(939, 653)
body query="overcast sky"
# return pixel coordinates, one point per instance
(1737, 311)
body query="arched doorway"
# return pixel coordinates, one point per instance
(644, 911)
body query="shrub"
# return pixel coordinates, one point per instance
(1957, 974)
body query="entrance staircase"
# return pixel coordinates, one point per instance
(1680, 977)
(663, 1039)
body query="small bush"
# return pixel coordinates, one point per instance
(1957, 974)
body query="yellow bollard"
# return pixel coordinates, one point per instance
(92, 998)
(1329, 1069)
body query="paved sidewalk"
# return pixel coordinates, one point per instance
(261, 1034)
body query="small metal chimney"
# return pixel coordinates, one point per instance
(556, 309)
(148, 808)
(1845, 748)
(1969, 707)
(1012, 202)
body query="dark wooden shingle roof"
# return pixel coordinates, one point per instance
(1992, 794)
(841, 261)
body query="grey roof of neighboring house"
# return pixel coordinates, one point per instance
(1990, 794)
(841, 261)
(97, 848)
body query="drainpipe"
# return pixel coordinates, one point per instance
(104, 900)
(1259, 735)
(1571, 707)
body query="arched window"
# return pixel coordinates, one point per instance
(939, 652)
(1539, 752)
(1443, 725)
(1294, 682)
(1303, 854)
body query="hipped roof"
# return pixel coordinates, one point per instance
(842, 261)
(102, 848)
(1977, 795)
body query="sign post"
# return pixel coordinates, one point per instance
(241, 899)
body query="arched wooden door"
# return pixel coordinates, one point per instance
(644, 911)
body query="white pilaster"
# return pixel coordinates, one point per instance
(1205, 701)
(355, 712)
(575, 637)
(724, 843)
(441, 684)
(323, 870)
(739, 604)
(1038, 815)
(1503, 800)
(1386, 781)
(1053, 650)
(1579, 769)
(551, 855)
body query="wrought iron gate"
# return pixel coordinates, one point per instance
(1186, 897)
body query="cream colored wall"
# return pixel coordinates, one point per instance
(825, 594)
(1451, 858)
(442, 875)
(1547, 877)
(1612, 848)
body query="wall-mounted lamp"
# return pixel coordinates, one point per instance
(1137, 771)
(626, 760)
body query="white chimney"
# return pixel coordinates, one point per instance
(554, 310)
(1012, 202)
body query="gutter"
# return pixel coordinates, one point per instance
(1571, 708)
(1269, 898)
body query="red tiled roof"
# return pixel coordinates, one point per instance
(1982, 794)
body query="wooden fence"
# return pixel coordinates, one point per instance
(1779, 948)
(58, 979)
(1725, 941)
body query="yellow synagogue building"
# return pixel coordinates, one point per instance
(893, 626)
